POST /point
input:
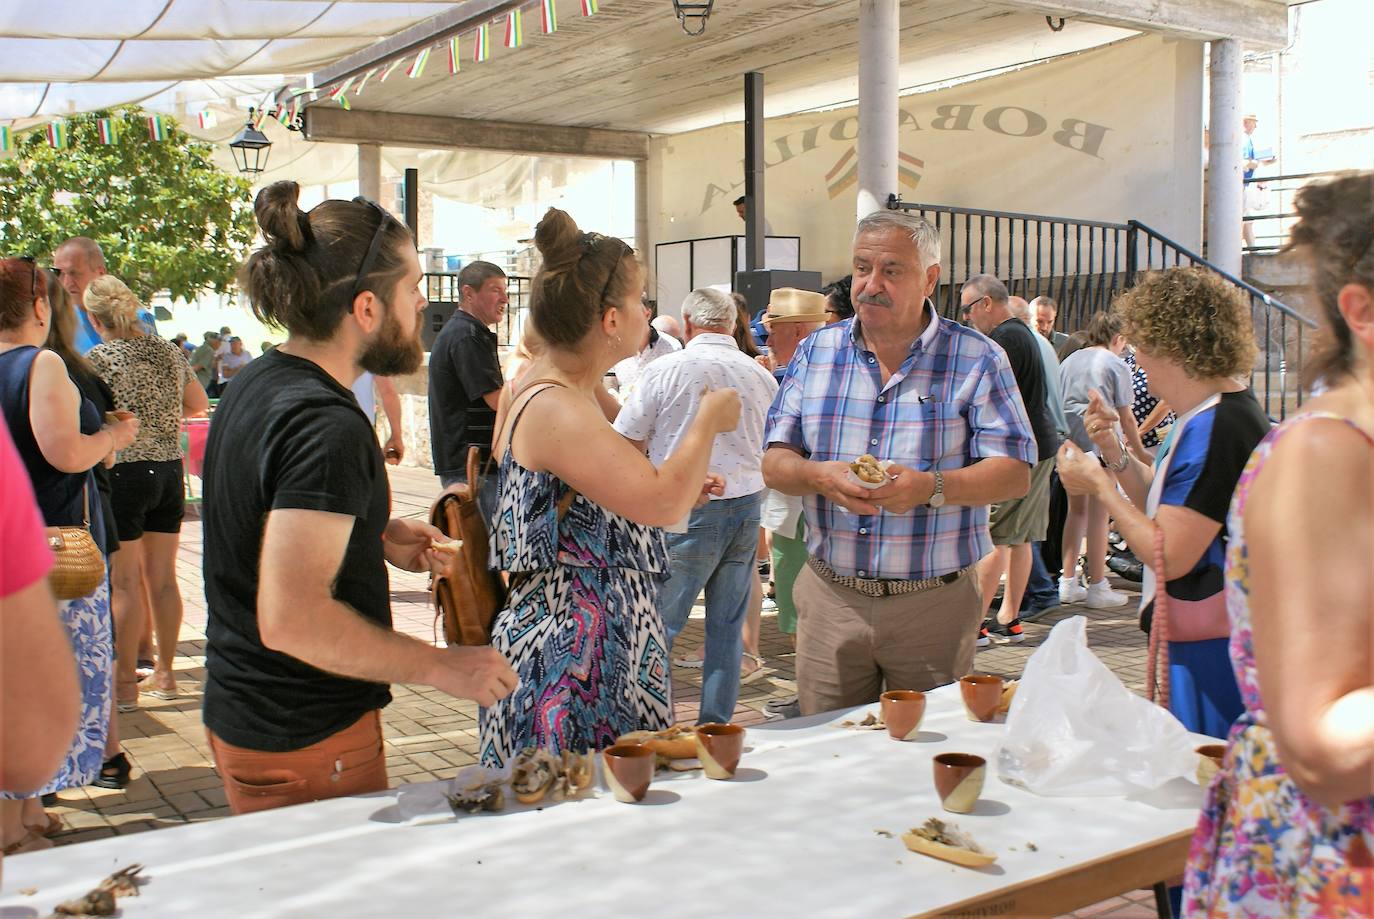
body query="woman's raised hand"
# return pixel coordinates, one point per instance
(720, 410)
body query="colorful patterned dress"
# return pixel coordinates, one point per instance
(1262, 847)
(581, 628)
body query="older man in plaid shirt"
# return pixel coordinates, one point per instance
(889, 598)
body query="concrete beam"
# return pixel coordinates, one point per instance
(335, 125)
(1258, 23)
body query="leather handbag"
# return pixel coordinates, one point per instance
(467, 593)
(78, 565)
(1179, 620)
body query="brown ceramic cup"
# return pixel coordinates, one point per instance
(719, 747)
(903, 710)
(1209, 762)
(959, 780)
(982, 695)
(628, 770)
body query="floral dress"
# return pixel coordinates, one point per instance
(581, 628)
(1262, 847)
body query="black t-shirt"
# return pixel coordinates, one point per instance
(1023, 353)
(463, 367)
(286, 435)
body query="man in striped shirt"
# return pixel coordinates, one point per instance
(889, 598)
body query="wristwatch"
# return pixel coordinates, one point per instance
(937, 498)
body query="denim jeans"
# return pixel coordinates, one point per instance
(1041, 591)
(715, 554)
(486, 493)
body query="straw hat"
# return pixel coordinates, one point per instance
(787, 304)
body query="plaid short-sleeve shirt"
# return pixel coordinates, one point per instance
(953, 401)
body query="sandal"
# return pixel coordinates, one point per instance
(53, 826)
(144, 668)
(114, 772)
(151, 687)
(31, 841)
(754, 674)
(126, 702)
(690, 663)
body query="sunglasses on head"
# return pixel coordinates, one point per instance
(33, 278)
(383, 217)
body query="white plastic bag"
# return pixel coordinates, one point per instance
(1075, 730)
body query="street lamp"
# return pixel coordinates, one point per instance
(692, 15)
(250, 148)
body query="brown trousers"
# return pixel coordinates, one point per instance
(347, 763)
(850, 647)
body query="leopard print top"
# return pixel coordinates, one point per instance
(148, 376)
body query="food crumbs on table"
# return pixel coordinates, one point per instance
(28, 891)
(885, 833)
(1033, 847)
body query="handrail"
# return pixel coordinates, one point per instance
(895, 202)
(1246, 286)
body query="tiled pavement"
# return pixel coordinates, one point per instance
(430, 735)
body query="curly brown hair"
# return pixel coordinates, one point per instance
(1193, 317)
(1335, 230)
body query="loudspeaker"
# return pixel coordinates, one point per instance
(756, 286)
(433, 319)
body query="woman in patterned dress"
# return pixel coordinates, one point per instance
(1288, 826)
(60, 437)
(578, 513)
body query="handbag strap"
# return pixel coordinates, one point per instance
(1159, 629)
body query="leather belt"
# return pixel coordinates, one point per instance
(883, 587)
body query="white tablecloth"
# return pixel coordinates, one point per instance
(793, 834)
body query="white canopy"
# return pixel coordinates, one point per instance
(64, 56)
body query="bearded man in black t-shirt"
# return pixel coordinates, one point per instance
(300, 647)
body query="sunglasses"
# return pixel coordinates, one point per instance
(373, 248)
(592, 242)
(33, 279)
(966, 308)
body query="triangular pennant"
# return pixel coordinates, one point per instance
(453, 65)
(57, 135)
(390, 69)
(6, 139)
(515, 29)
(109, 130)
(548, 14)
(589, 8)
(417, 68)
(206, 119)
(481, 45)
(157, 128)
(363, 83)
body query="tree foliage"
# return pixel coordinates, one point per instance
(167, 217)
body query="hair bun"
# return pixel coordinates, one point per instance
(558, 239)
(284, 225)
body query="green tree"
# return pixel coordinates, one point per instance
(167, 217)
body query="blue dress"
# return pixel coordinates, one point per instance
(581, 627)
(87, 619)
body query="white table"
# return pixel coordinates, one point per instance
(793, 835)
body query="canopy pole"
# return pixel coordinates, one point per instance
(879, 23)
(370, 171)
(1225, 181)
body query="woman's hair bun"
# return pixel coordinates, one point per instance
(283, 223)
(558, 239)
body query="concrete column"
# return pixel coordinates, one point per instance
(646, 252)
(879, 22)
(370, 171)
(1225, 177)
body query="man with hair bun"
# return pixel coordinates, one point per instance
(297, 538)
(714, 548)
(465, 379)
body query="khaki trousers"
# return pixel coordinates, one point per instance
(850, 647)
(351, 762)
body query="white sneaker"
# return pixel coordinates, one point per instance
(1101, 596)
(1070, 591)
(770, 605)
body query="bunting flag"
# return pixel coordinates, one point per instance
(390, 69)
(157, 127)
(549, 16)
(515, 28)
(108, 130)
(257, 116)
(453, 65)
(481, 45)
(206, 119)
(589, 8)
(361, 86)
(295, 112)
(57, 135)
(282, 115)
(417, 68)
(6, 139)
(340, 93)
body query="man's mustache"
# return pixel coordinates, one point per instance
(874, 299)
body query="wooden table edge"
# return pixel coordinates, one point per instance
(1080, 885)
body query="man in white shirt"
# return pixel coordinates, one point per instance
(716, 548)
(627, 372)
(232, 361)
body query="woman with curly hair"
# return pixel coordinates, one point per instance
(1288, 824)
(1193, 336)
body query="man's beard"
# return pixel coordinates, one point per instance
(391, 353)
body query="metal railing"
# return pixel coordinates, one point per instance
(1269, 208)
(1084, 264)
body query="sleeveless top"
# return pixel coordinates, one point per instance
(58, 492)
(1262, 847)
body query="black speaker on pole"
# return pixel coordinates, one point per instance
(756, 286)
(412, 203)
